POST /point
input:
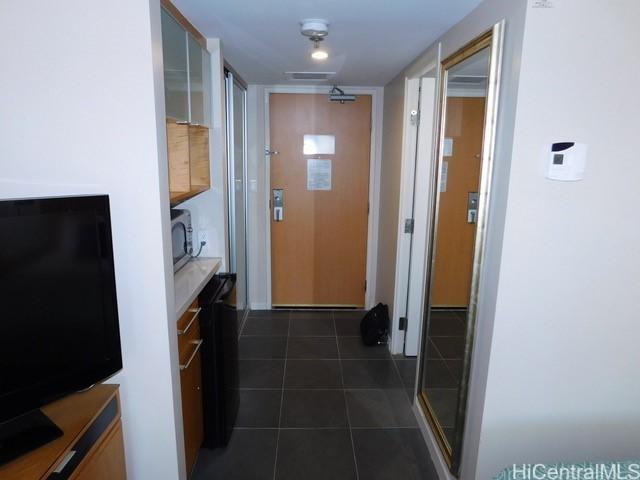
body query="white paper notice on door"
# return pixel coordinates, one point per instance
(318, 174)
(444, 176)
(447, 150)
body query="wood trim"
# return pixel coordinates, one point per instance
(436, 428)
(468, 50)
(186, 24)
(178, 197)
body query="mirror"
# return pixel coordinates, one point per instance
(467, 109)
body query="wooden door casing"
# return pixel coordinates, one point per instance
(319, 250)
(455, 236)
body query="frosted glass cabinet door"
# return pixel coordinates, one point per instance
(206, 76)
(196, 81)
(176, 78)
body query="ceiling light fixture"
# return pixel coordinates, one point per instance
(318, 53)
(316, 31)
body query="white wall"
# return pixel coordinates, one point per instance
(82, 111)
(209, 209)
(562, 380)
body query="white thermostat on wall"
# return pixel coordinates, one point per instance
(567, 161)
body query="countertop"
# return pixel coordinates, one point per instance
(191, 279)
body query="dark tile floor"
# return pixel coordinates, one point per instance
(444, 365)
(317, 404)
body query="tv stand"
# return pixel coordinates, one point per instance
(90, 447)
(25, 433)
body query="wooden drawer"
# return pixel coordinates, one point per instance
(187, 316)
(189, 344)
(107, 459)
(188, 330)
(191, 386)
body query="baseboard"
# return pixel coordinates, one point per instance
(259, 306)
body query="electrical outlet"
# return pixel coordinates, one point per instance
(203, 237)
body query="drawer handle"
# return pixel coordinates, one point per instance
(198, 344)
(63, 463)
(195, 312)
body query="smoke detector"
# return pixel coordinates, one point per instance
(316, 30)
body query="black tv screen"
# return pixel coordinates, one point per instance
(58, 312)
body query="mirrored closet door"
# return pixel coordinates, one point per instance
(468, 102)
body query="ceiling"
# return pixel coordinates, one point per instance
(369, 43)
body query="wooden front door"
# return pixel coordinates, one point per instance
(319, 247)
(456, 236)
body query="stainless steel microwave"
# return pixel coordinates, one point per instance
(181, 238)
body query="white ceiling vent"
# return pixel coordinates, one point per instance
(309, 76)
(468, 79)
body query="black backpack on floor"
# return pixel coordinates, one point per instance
(374, 327)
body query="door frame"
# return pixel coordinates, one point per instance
(411, 254)
(375, 158)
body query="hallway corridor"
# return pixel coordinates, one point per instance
(316, 404)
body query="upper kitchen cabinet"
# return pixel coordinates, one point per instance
(207, 97)
(196, 81)
(187, 74)
(176, 73)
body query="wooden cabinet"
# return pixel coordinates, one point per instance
(189, 343)
(107, 462)
(189, 167)
(91, 447)
(187, 78)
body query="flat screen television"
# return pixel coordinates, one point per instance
(58, 313)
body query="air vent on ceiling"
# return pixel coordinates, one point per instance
(469, 79)
(309, 76)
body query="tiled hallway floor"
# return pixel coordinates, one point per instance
(316, 404)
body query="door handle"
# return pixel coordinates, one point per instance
(472, 207)
(278, 204)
